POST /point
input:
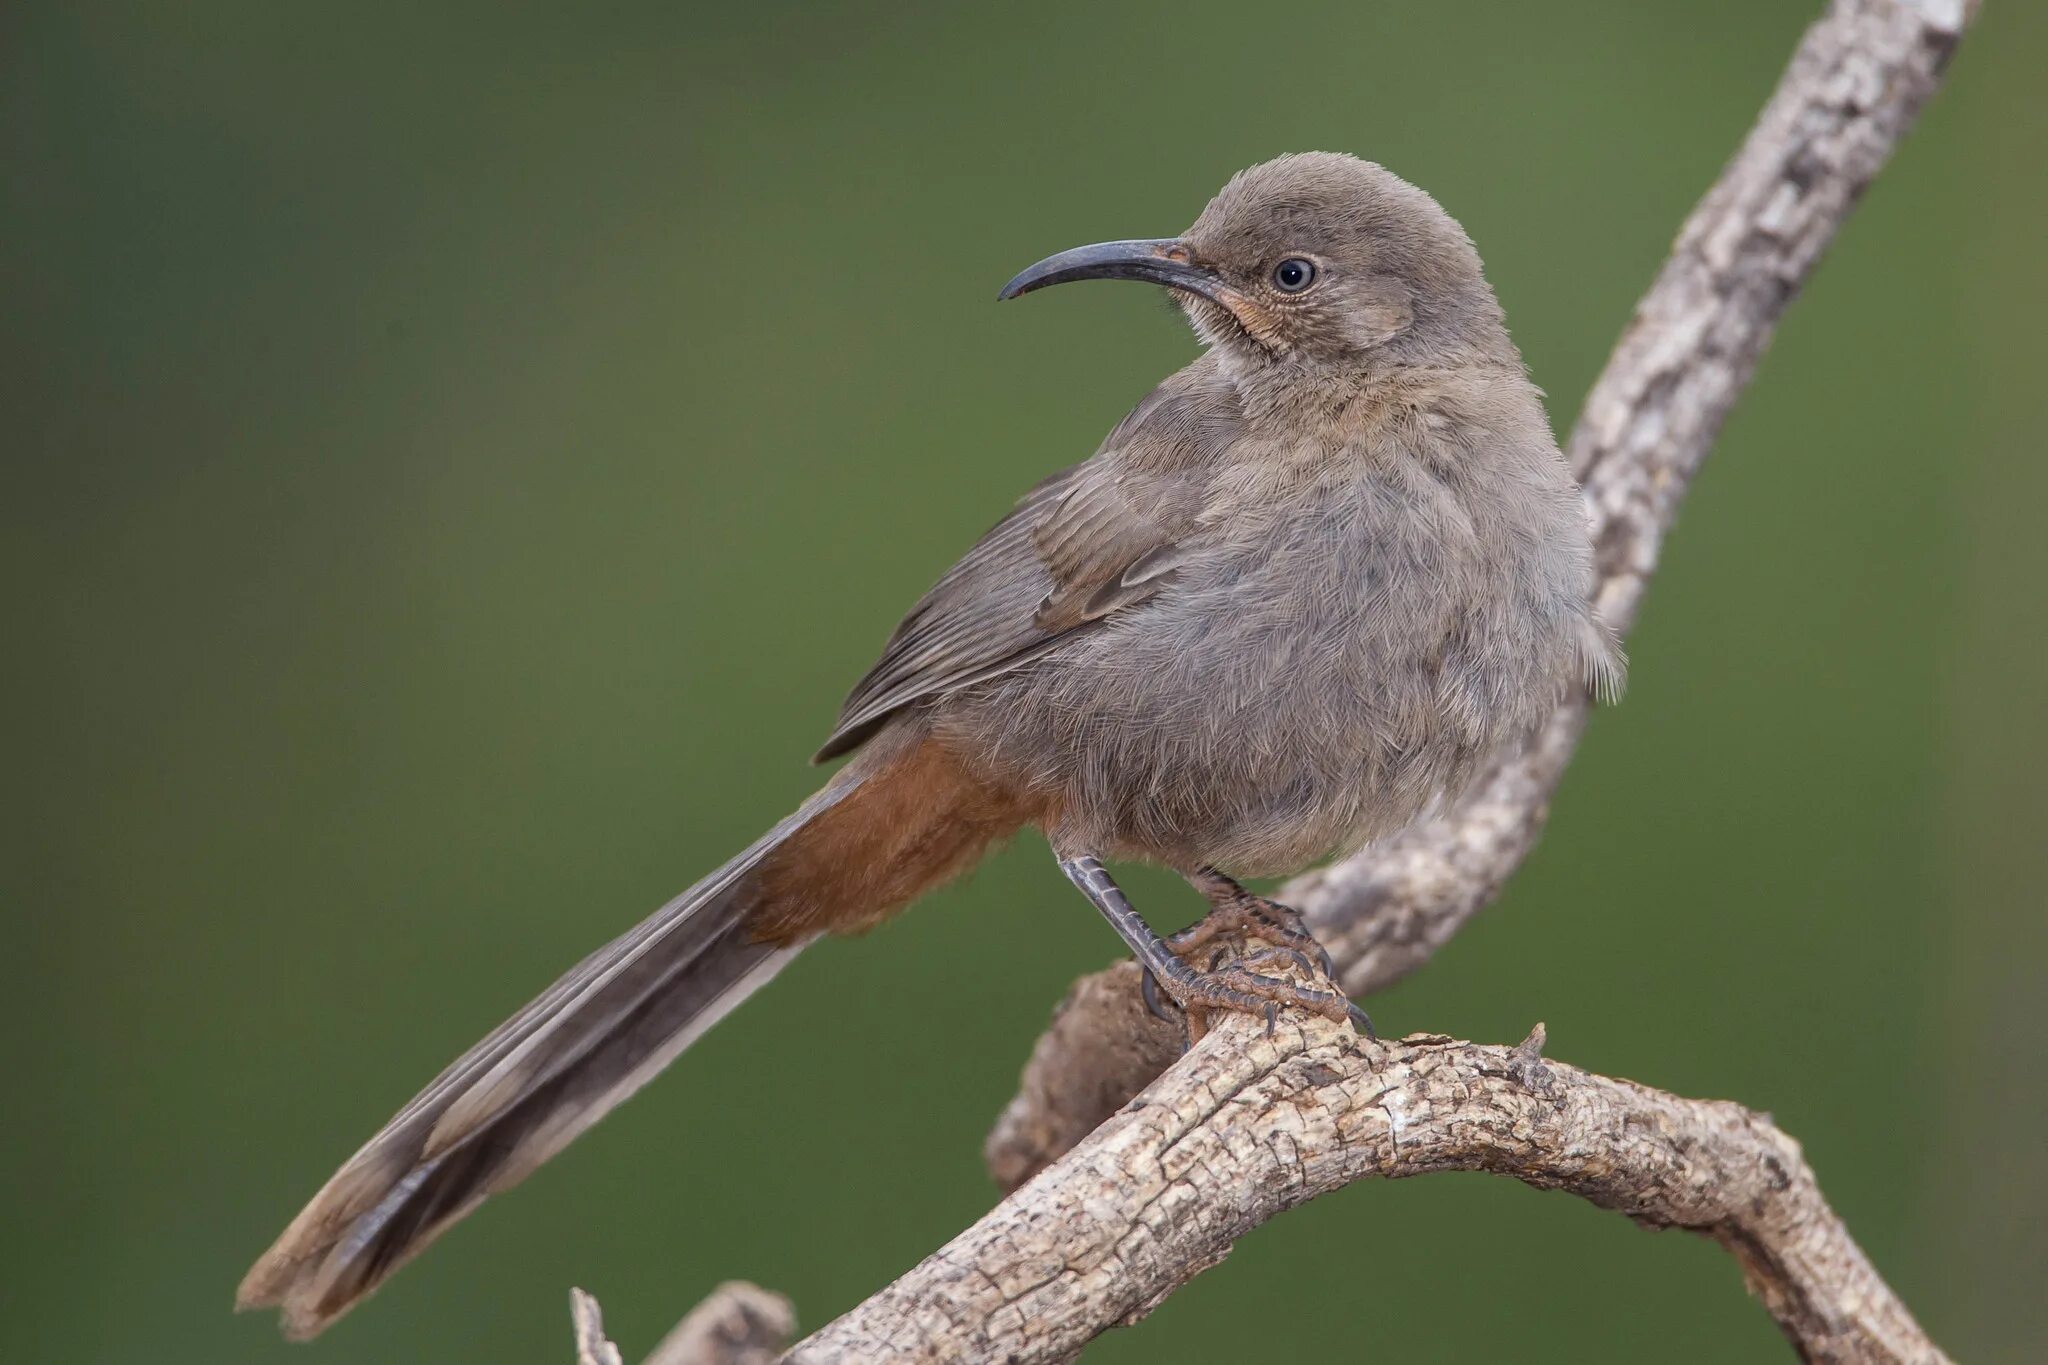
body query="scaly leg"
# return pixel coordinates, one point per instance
(1235, 987)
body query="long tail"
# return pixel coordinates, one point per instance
(898, 819)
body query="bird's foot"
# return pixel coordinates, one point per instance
(1247, 985)
(1234, 910)
(1232, 979)
(1269, 922)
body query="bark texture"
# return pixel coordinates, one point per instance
(1247, 1126)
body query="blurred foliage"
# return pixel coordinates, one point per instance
(458, 454)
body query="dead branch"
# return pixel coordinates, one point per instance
(1246, 1127)
(739, 1324)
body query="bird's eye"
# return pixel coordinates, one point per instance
(1293, 275)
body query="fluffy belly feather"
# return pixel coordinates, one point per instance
(1194, 732)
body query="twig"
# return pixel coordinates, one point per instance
(739, 1324)
(593, 1347)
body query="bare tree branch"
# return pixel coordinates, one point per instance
(739, 1324)
(1854, 86)
(1134, 1197)
(1247, 1126)
(593, 1347)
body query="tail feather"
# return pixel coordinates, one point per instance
(584, 1020)
(550, 1071)
(432, 1195)
(897, 819)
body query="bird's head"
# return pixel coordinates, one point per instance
(1316, 261)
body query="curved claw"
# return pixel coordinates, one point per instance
(1363, 1020)
(1148, 987)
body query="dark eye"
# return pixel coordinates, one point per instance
(1293, 275)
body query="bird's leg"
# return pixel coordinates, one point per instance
(1234, 987)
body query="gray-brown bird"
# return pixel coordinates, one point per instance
(1301, 593)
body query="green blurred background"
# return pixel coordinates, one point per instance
(457, 455)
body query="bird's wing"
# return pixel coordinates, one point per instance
(1088, 542)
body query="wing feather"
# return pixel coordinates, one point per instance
(1090, 541)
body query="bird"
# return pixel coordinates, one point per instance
(1297, 599)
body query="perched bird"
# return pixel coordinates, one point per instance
(1300, 595)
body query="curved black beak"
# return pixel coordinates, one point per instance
(1160, 260)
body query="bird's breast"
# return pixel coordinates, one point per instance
(1322, 667)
